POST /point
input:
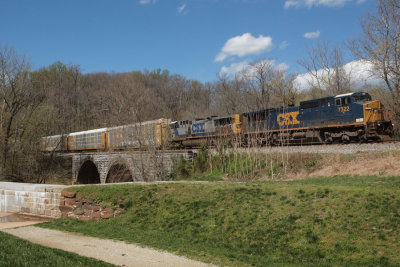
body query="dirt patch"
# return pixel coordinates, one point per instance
(12, 220)
(380, 164)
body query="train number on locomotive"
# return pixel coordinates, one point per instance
(344, 109)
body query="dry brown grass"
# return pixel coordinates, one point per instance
(380, 164)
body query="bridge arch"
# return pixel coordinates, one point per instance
(119, 172)
(88, 173)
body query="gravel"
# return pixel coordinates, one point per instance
(331, 149)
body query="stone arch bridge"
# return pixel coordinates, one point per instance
(126, 166)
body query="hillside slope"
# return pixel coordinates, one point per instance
(318, 221)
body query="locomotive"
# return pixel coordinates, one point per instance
(341, 118)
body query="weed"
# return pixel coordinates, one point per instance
(309, 164)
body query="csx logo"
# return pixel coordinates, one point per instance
(289, 118)
(198, 128)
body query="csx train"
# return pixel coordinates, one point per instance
(340, 118)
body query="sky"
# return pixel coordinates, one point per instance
(198, 39)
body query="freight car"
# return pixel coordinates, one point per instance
(87, 140)
(139, 135)
(133, 136)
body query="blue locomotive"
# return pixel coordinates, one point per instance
(340, 118)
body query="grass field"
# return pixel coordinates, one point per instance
(339, 221)
(18, 252)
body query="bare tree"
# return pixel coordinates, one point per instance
(325, 66)
(269, 85)
(230, 94)
(18, 99)
(380, 45)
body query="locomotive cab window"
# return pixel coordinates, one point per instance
(361, 98)
(338, 101)
(222, 122)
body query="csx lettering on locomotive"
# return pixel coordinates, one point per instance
(289, 118)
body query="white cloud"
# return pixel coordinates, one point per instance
(283, 45)
(182, 9)
(234, 68)
(360, 73)
(244, 67)
(243, 45)
(312, 3)
(312, 35)
(145, 2)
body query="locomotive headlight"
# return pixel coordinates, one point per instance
(367, 108)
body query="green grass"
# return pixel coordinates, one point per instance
(339, 221)
(18, 252)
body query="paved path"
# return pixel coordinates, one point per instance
(115, 252)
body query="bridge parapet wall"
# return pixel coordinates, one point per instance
(32, 199)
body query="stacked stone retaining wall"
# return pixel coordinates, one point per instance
(76, 207)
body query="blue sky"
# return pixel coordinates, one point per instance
(194, 38)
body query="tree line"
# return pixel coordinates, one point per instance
(60, 98)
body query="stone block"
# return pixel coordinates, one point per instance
(40, 211)
(65, 209)
(96, 215)
(78, 211)
(95, 208)
(87, 206)
(72, 216)
(55, 214)
(69, 201)
(9, 193)
(47, 213)
(15, 208)
(88, 213)
(50, 207)
(25, 210)
(78, 205)
(107, 215)
(68, 194)
(106, 210)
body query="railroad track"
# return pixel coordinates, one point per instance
(338, 148)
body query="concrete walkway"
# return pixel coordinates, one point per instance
(12, 220)
(115, 252)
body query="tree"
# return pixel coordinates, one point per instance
(380, 45)
(325, 66)
(19, 99)
(229, 94)
(269, 85)
(64, 88)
